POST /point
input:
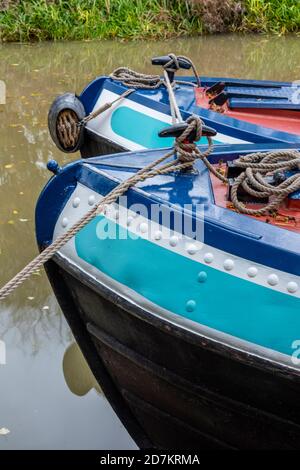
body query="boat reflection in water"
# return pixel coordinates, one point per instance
(77, 374)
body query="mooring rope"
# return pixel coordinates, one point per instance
(137, 80)
(186, 154)
(253, 179)
(69, 128)
(256, 166)
(104, 107)
(131, 78)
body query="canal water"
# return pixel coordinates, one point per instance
(48, 398)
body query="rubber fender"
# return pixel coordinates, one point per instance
(69, 110)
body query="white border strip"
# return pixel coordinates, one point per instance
(83, 198)
(101, 125)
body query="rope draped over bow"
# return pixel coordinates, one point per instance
(153, 169)
(256, 166)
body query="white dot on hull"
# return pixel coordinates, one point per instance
(273, 279)
(173, 240)
(228, 264)
(208, 258)
(143, 227)
(158, 235)
(191, 249)
(292, 287)
(252, 271)
(91, 200)
(76, 202)
(64, 222)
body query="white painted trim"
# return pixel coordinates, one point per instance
(256, 273)
(101, 125)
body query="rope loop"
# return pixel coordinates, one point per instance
(138, 80)
(252, 179)
(173, 63)
(187, 151)
(158, 167)
(257, 167)
(131, 78)
(174, 60)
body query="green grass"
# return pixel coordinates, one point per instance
(33, 20)
(89, 19)
(273, 16)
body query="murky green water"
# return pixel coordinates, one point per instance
(37, 405)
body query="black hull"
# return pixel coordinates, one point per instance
(95, 145)
(173, 389)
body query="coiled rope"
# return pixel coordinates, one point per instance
(186, 154)
(131, 78)
(253, 179)
(257, 166)
(67, 128)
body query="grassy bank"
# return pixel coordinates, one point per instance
(29, 20)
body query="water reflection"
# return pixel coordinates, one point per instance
(34, 323)
(77, 373)
(36, 404)
(40, 411)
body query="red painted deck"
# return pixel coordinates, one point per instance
(288, 219)
(282, 120)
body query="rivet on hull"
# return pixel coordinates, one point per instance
(76, 202)
(208, 258)
(273, 279)
(173, 240)
(129, 220)
(228, 264)
(190, 305)
(143, 227)
(91, 200)
(191, 249)
(158, 235)
(64, 222)
(252, 271)
(202, 276)
(292, 287)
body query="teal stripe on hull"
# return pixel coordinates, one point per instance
(142, 129)
(223, 302)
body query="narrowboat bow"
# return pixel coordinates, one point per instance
(192, 333)
(241, 111)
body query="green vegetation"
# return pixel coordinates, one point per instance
(31, 20)
(90, 19)
(274, 16)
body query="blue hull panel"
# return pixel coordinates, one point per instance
(220, 301)
(135, 122)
